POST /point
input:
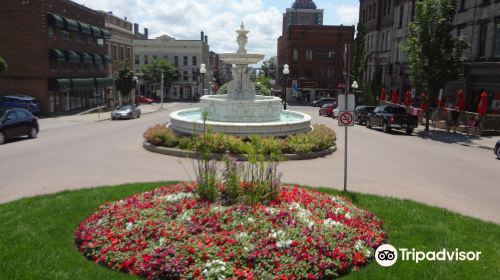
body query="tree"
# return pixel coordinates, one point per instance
(125, 82)
(265, 81)
(153, 71)
(269, 68)
(259, 90)
(3, 65)
(434, 56)
(360, 64)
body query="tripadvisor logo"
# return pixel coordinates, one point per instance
(386, 255)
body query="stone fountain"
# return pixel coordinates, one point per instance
(241, 112)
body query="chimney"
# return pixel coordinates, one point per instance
(206, 39)
(202, 35)
(146, 33)
(136, 28)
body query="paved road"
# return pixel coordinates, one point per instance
(441, 173)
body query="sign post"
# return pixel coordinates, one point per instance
(346, 117)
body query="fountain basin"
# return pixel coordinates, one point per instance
(290, 122)
(241, 58)
(224, 108)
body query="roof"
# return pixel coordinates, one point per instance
(304, 4)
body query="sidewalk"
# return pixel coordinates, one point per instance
(64, 121)
(436, 134)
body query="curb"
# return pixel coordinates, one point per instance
(190, 154)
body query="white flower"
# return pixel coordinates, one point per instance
(176, 197)
(284, 244)
(348, 215)
(129, 227)
(251, 220)
(329, 222)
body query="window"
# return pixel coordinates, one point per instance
(320, 73)
(385, 8)
(483, 28)
(176, 61)
(185, 75)
(129, 53)
(122, 53)
(146, 59)
(136, 60)
(50, 31)
(53, 64)
(78, 37)
(195, 60)
(309, 55)
(320, 55)
(65, 35)
(330, 73)
(194, 75)
(497, 38)
(401, 13)
(331, 54)
(114, 53)
(185, 60)
(295, 55)
(308, 72)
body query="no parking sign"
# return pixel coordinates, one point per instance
(346, 118)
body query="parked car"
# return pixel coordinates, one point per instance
(392, 117)
(361, 112)
(20, 101)
(17, 122)
(126, 112)
(326, 110)
(497, 149)
(143, 99)
(322, 101)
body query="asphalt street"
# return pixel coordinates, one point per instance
(89, 154)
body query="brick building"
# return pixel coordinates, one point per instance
(56, 53)
(315, 56)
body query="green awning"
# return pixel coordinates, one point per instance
(72, 56)
(59, 84)
(55, 20)
(96, 31)
(104, 82)
(105, 34)
(105, 59)
(56, 54)
(84, 28)
(71, 24)
(87, 58)
(83, 83)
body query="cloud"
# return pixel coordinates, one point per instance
(348, 14)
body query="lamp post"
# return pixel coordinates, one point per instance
(161, 91)
(136, 82)
(203, 71)
(286, 71)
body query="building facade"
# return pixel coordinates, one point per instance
(186, 55)
(302, 12)
(315, 57)
(477, 22)
(56, 53)
(120, 48)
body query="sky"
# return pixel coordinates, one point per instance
(185, 19)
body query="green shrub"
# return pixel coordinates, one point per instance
(322, 136)
(266, 145)
(160, 135)
(187, 143)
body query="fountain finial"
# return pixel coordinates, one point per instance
(242, 26)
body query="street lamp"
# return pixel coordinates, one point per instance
(203, 71)
(161, 89)
(286, 71)
(136, 82)
(354, 85)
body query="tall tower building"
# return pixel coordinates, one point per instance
(302, 12)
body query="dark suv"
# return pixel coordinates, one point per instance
(17, 122)
(20, 101)
(361, 112)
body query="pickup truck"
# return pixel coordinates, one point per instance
(392, 117)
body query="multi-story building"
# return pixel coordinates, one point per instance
(313, 52)
(478, 22)
(138, 35)
(120, 47)
(186, 55)
(302, 12)
(56, 53)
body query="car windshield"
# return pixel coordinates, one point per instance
(326, 105)
(395, 110)
(124, 107)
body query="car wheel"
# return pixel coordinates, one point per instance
(138, 115)
(2, 138)
(368, 123)
(385, 127)
(409, 131)
(319, 114)
(33, 133)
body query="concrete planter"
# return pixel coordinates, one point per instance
(190, 154)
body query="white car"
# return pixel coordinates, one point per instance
(335, 113)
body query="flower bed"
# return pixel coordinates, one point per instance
(321, 138)
(170, 233)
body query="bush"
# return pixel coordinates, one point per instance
(322, 136)
(161, 135)
(187, 143)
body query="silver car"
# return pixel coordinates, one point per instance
(126, 112)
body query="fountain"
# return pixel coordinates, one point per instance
(241, 112)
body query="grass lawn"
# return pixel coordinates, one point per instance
(37, 237)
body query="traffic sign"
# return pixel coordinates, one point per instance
(346, 118)
(351, 102)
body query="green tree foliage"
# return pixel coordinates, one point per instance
(268, 68)
(125, 82)
(434, 56)
(264, 81)
(360, 64)
(153, 71)
(3, 65)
